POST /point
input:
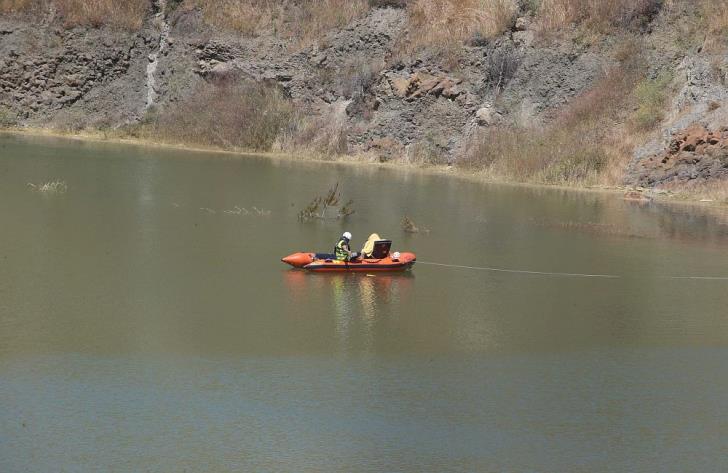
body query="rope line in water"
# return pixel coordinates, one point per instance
(569, 275)
(699, 278)
(517, 271)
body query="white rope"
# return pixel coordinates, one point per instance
(699, 278)
(566, 275)
(516, 271)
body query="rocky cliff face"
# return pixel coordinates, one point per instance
(690, 147)
(390, 101)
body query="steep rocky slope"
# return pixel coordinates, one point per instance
(390, 102)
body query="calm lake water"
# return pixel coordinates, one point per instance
(144, 328)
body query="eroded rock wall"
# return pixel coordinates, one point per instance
(50, 76)
(391, 99)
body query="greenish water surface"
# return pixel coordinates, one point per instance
(146, 323)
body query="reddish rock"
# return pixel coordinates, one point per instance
(452, 92)
(442, 86)
(636, 196)
(425, 83)
(421, 84)
(692, 154)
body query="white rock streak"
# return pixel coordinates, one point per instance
(161, 20)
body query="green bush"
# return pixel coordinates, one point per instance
(8, 118)
(650, 96)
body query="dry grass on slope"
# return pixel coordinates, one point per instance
(715, 16)
(233, 114)
(583, 144)
(439, 23)
(567, 151)
(302, 22)
(227, 114)
(126, 14)
(19, 6)
(600, 15)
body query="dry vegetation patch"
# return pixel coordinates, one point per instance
(439, 23)
(230, 113)
(303, 21)
(21, 6)
(650, 97)
(715, 16)
(600, 15)
(126, 14)
(227, 114)
(323, 136)
(580, 144)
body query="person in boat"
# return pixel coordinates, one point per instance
(342, 250)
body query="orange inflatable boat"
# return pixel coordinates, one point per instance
(379, 260)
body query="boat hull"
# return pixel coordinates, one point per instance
(309, 262)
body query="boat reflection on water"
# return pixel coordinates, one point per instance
(359, 303)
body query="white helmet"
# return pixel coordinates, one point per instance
(347, 235)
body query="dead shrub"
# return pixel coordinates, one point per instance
(358, 76)
(501, 65)
(327, 206)
(352, 79)
(227, 114)
(408, 225)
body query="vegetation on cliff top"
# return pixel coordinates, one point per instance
(126, 14)
(431, 22)
(301, 22)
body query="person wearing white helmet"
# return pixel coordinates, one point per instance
(342, 250)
